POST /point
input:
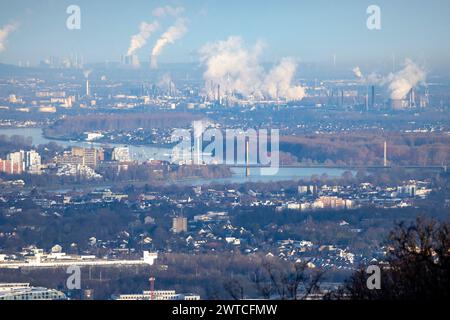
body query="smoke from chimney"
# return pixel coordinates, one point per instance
(175, 32)
(401, 82)
(5, 31)
(168, 11)
(139, 40)
(357, 72)
(236, 68)
(277, 83)
(146, 29)
(86, 73)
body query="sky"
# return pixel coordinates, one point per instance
(307, 30)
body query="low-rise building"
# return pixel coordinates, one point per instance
(24, 291)
(158, 295)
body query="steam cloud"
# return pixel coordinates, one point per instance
(403, 81)
(175, 32)
(168, 11)
(237, 69)
(372, 78)
(5, 32)
(146, 29)
(278, 82)
(399, 83)
(139, 40)
(357, 72)
(86, 73)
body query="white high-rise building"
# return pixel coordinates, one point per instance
(26, 161)
(32, 161)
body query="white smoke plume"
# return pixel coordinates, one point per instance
(357, 72)
(232, 66)
(166, 83)
(374, 78)
(146, 29)
(236, 69)
(168, 11)
(175, 32)
(370, 79)
(278, 81)
(86, 73)
(139, 40)
(5, 31)
(401, 82)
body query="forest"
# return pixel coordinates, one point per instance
(365, 148)
(72, 127)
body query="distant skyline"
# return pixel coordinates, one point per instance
(308, 31)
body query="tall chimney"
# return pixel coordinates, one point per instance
(247, 158)
(218, 94)
(87, 88)
(372, 101)
(366, 98)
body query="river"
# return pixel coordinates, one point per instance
(142, 153)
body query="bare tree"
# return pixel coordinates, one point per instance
(262, 285)
(235, 289)
(286, 280)
(417, 265)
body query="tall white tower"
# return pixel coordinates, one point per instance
(88, 93)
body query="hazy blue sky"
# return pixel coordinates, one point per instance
(310, 30)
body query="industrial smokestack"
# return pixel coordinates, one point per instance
(412, 98)
(86, 74)
(372, 100)
(366, 98)
(88, 93)
(218, 94)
